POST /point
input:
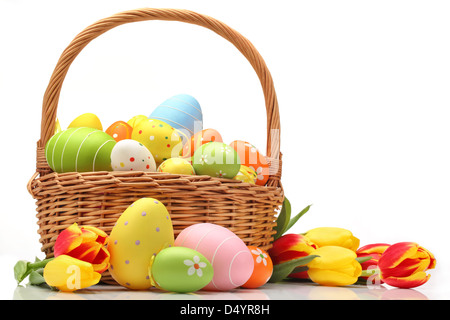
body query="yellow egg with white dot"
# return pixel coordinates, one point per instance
(176, 166)
(161, 139)
(141, 232)
(246, 174)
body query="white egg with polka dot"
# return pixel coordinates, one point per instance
(131, 155)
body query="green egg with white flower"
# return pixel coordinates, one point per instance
(181, 269)
(216, 159)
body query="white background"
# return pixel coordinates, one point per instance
(363, 89)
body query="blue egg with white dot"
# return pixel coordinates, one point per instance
(182, 112)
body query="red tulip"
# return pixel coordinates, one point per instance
(375, 251)
(84, 243)
(404, 264)
(289, 247)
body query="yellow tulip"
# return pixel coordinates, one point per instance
(69, 274)
(330, 236)
(335, 266)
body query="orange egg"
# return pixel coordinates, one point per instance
(262, 270)
(120, 130)
(200, 138)
(252, 158)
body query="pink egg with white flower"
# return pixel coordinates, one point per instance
(229, 256)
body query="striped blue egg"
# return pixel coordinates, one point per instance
(182, 112)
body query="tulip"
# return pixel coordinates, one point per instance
(374, 252)
(334, 266)
(404, 264)
(69, 274)
(290, 247)
(85, 243)
(329, 236)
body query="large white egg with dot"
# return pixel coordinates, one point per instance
(131, 155)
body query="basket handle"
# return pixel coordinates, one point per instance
(52, 93)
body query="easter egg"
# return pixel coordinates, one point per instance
(182, 112)
(120, 130)
(57, 127)
(88, 120)
(136, 119)
(181, 269)
(130, 155)
(262, 270)
(200, 138)
(142, 230)
(176, 166)
(79, 150)
(229, 256)
(216, 159)
(252, 158)
(161, 139)
(246, 174)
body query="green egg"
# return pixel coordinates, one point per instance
(79, 150)
(181, 269)
(216, 159)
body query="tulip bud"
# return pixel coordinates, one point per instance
(404, 264)
(290, 247)
(373, 251)
(85, 243)
(329, 236)
(69, 274)
(334, 266)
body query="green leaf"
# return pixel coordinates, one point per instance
(282, 270)
(283, 218)
(300, 269)
(298, 216)
(363, 259)
(21, 270)
(36, 277)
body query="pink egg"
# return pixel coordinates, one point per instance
(229, 256)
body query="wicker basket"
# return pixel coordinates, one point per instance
(99, 198)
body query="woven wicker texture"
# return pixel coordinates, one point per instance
(98, 198)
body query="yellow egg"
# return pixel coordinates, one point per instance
(57, 126)
(176, 166)
(88, 120)
(246, 174)
(136, 119)
(161, 139)
(143, 229)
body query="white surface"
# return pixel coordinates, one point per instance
(362, 88)
(286, 290)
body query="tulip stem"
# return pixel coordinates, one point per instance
(368, 273)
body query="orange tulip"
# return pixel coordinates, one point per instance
(404, 264)
(85, 243)
(289, 247)
(374, 251)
